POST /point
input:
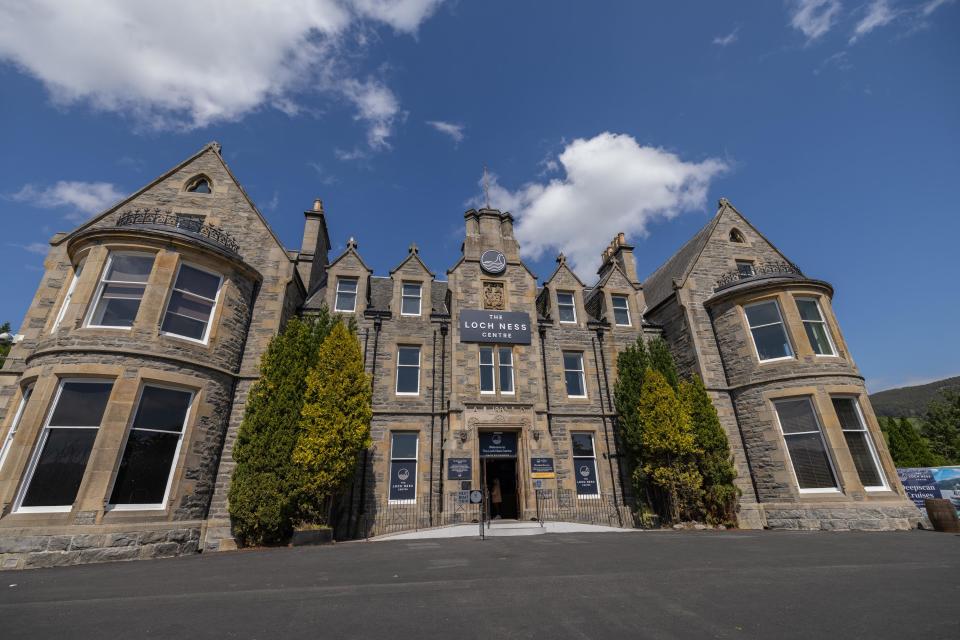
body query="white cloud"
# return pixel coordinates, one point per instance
(191, 63)
(84, 198)
(455, 131)
(814, 17)
(727, 40)
(932, 6)
(877, 15)
(611, 183)
(39, 248)
(376, 106)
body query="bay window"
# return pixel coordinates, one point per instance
(191, 304)
(815, 326)
(859, 443)
(805, 444)
(769, 334)
(121, 289)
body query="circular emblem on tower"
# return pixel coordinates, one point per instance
(493, 261)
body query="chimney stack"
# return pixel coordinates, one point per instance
(313, 256)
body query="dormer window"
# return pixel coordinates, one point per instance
(346, 299)
(200, 184)
(411, 298)
(566, 309)
(621, 310)
(736, 236)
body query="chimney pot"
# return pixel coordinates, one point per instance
(318, 205)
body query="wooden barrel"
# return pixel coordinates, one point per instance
(942, 514)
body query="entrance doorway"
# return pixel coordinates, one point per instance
(502, 471)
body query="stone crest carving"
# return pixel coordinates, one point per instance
(493, 297)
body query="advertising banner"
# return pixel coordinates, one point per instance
(931, 482)
(499, 327)
(403, 480)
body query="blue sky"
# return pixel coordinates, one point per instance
(833, 125)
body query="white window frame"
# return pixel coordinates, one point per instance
(418, 298)
(102, 285)
(77, 271)
(355, 292)
(496, 365)
(572, 305)
(500, 367)
(783, 325)
(493, 368)
(12, 431)
(416, 462)
(176, 452)
(581, 371)
(626, 307)
(596, 467)
(823, 441)
(213, 309)
(823, 321)
(869, 437)
(396, 386)
(38, 449)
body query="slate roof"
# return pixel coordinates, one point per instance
(659, 286)
(381, 295)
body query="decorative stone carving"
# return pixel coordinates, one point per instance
(493, 297)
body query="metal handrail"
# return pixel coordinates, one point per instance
(758, 271)
(183, 223)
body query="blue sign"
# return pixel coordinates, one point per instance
(498, 444)
(459, 469)
(919, 485)
(403, 480)
(542, 468)
(500, 327)
(585, 474)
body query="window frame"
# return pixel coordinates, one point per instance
(418, 298)
(596, 467)
(871, 445)
(416, 467)
(42, 441)
(493, 369)
(626, 307)
(213, 309)
(77, 272)
(25, 394)
(496, 365)
(783, 325)
(355, 292)
(418, 366)
(581, 371)
(111, 506)
(572, 305)
(745, 263)
(101, 285)
(823, 320)
(836, 488)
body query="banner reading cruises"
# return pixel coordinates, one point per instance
(931, 482)
(502, 327)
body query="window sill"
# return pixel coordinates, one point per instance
(403, 394)
(401, 501)
(781, 359)
(202, 343)
(103, 326)
(809, 492)
(25, 510)
(595, 496)
(135, 507)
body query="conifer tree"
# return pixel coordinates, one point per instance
(4, 348)
(715, 462)
(907, 447)
(941, 427)
(669, 450)
(632, 364)
(662, 360)
(334, 423)
(265, 481)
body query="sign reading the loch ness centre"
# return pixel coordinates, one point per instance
(510, 327)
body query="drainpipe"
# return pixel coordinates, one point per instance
(603, 417)
(444, 403)
(433, 415)
(614, 420)
(542, 329)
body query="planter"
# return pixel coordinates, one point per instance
(304, 537)
(943, 515)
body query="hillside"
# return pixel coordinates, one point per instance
(910, 401)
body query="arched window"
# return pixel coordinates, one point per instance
(200, 184)
(736, 236)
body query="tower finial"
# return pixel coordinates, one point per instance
(486, 186)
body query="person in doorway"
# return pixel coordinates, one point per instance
(496, 498)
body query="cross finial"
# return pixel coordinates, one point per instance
(486, 186)
(351, 243)
(413, 248)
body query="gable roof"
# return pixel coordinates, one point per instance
(562, 264)
(413, 254)
(210, 147)
(659, 286)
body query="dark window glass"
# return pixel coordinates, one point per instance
(582, 444)
(801, 431)
(346, 294)
(81, 404)
(486, 370)
(151, 446)
(573, 373)
(199, 186)
(122, 289)
(566, 307)
(858, 442)
(410, 303)
(199, 283)
(506, 369)
(621, 310)
(768, 333)
(404, 446)
(408, 370)
(60, 468)
(815, 327)
(744, 268)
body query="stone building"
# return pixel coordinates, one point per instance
(121, 404)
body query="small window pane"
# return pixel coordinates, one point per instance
(808, 309)
(572, 361)
(582, 444)
(60, 467)
(621, 310)
(164, 409)
(771, 342)
(574, 384)
(566, 308)
(81, 404)
(404, 446)
(145, 467)
(796, 416)
(817, 334)
(506, 369)
(408, 379)
(183, 326)
(763, 313)
(847, 413)
(346, 299)
(129, 267)
(409, 356)
(118, 306)
(745, 269)
(810, 461)
(184, 305)
(486, 355)
(486, 378)
(198, 282)
(863, 458)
